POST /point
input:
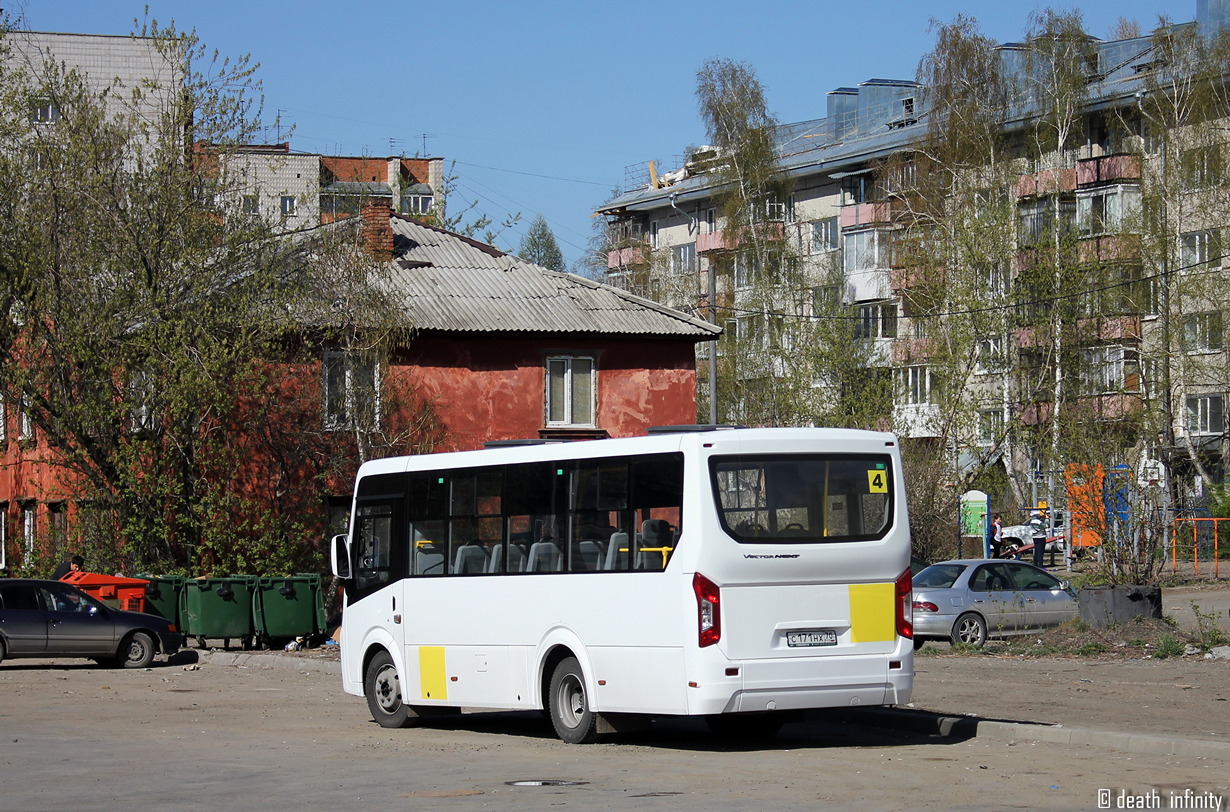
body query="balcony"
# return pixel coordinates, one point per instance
(908, 351)
(1117, 329)
(1107, 169)
(1110, 248)
(1046, 182)
(630, 257)
(720, 240)
(864, 214)
(918, 420)
(1099, 407)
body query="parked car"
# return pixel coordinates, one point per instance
(54, 619)
(969, 600)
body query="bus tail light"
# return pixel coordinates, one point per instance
(905, 601)
(708, 610)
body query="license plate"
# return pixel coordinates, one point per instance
(818, 637)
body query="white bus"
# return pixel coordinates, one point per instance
(736, 574)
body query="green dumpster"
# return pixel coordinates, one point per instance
(288, 606)
(162, 596)
(218, 608)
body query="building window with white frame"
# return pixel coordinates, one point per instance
(861, 251)
(351, 383)
(915, 385)
(250, 205)
(990, 427)
(29, 527)
(45, 111)
(653, 233)
(416, 204)
(877, 320)
(1197, 248)
(570, 390)
(683, 259)
(289, 206)
(1107, 211)
(825, 235)
(4, 420)
(1205, 415)
(25, 423)
(1202, 332)
(991, 357)
(1108, 369)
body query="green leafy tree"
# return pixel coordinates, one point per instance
(539, 246)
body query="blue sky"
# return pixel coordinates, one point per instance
(543, 104)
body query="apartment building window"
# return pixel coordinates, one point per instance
(825, 299)
(141, 388)
(416, 204)
(991, 357)
(1201, 167)
(876, 321)
(745, 270)
(991, 275)
(1108, 369)
(1041, 220)
(570, 390)
(861, 251)
(707, 221)
(653, 233)
(1107, 211)
(1198, 248)
(351, 383)
(29, 527)
(1205, 415)
(825, 235)
(288, 205)
(44, 112)
(857, 189)
(1202, 332)
(250, 205)
(990, 427)
(25, 423)
(4, 420)
(915, 385)
(683, 258)
(57, 515)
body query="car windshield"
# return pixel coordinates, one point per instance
(938, 576)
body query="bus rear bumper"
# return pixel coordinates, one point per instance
(796, 684)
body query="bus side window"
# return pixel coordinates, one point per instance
(374, 547)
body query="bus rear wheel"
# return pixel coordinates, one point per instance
(568, 704)
(382, 685)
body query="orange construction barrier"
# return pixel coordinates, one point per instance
(114, 590)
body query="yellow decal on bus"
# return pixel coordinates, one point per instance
(873, 616)
(877, 481)
(432, 677)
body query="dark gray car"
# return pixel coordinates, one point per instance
(54, 619)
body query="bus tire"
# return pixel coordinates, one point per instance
(568, 704)
(382, 685)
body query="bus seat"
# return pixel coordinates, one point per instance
(470, 558)
(544, 556)
(655, 536)
(428, 563)
(617, 552)
(590, 553)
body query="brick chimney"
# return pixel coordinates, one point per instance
(377, 230)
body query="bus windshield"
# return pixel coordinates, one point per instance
(803, 498)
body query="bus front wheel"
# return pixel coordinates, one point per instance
(568, 704)
(382, 685)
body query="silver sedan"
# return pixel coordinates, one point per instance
(969, 600)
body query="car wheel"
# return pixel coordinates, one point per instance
(919, 643)
(137, 650)
(744, 725)
(1, 651)
(970, 629)
(382, 685)
(568, 704)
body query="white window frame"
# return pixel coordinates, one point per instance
(825, 235)
(916, 385)
(1197, 248)
(1201, 418)
(1202, 333)
(290, 205)
(861, 250)
(45, 112)
(991, 358)
(683, 259)
(352, 363)
(25, 424)
(1105, 210)
(250, 205)
(877, 320)
(990, 427)
(565, 414)
(29, 528)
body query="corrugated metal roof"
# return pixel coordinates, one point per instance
(452, 283)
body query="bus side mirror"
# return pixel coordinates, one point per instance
(341, 556)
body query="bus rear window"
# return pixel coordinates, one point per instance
(803, 498)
